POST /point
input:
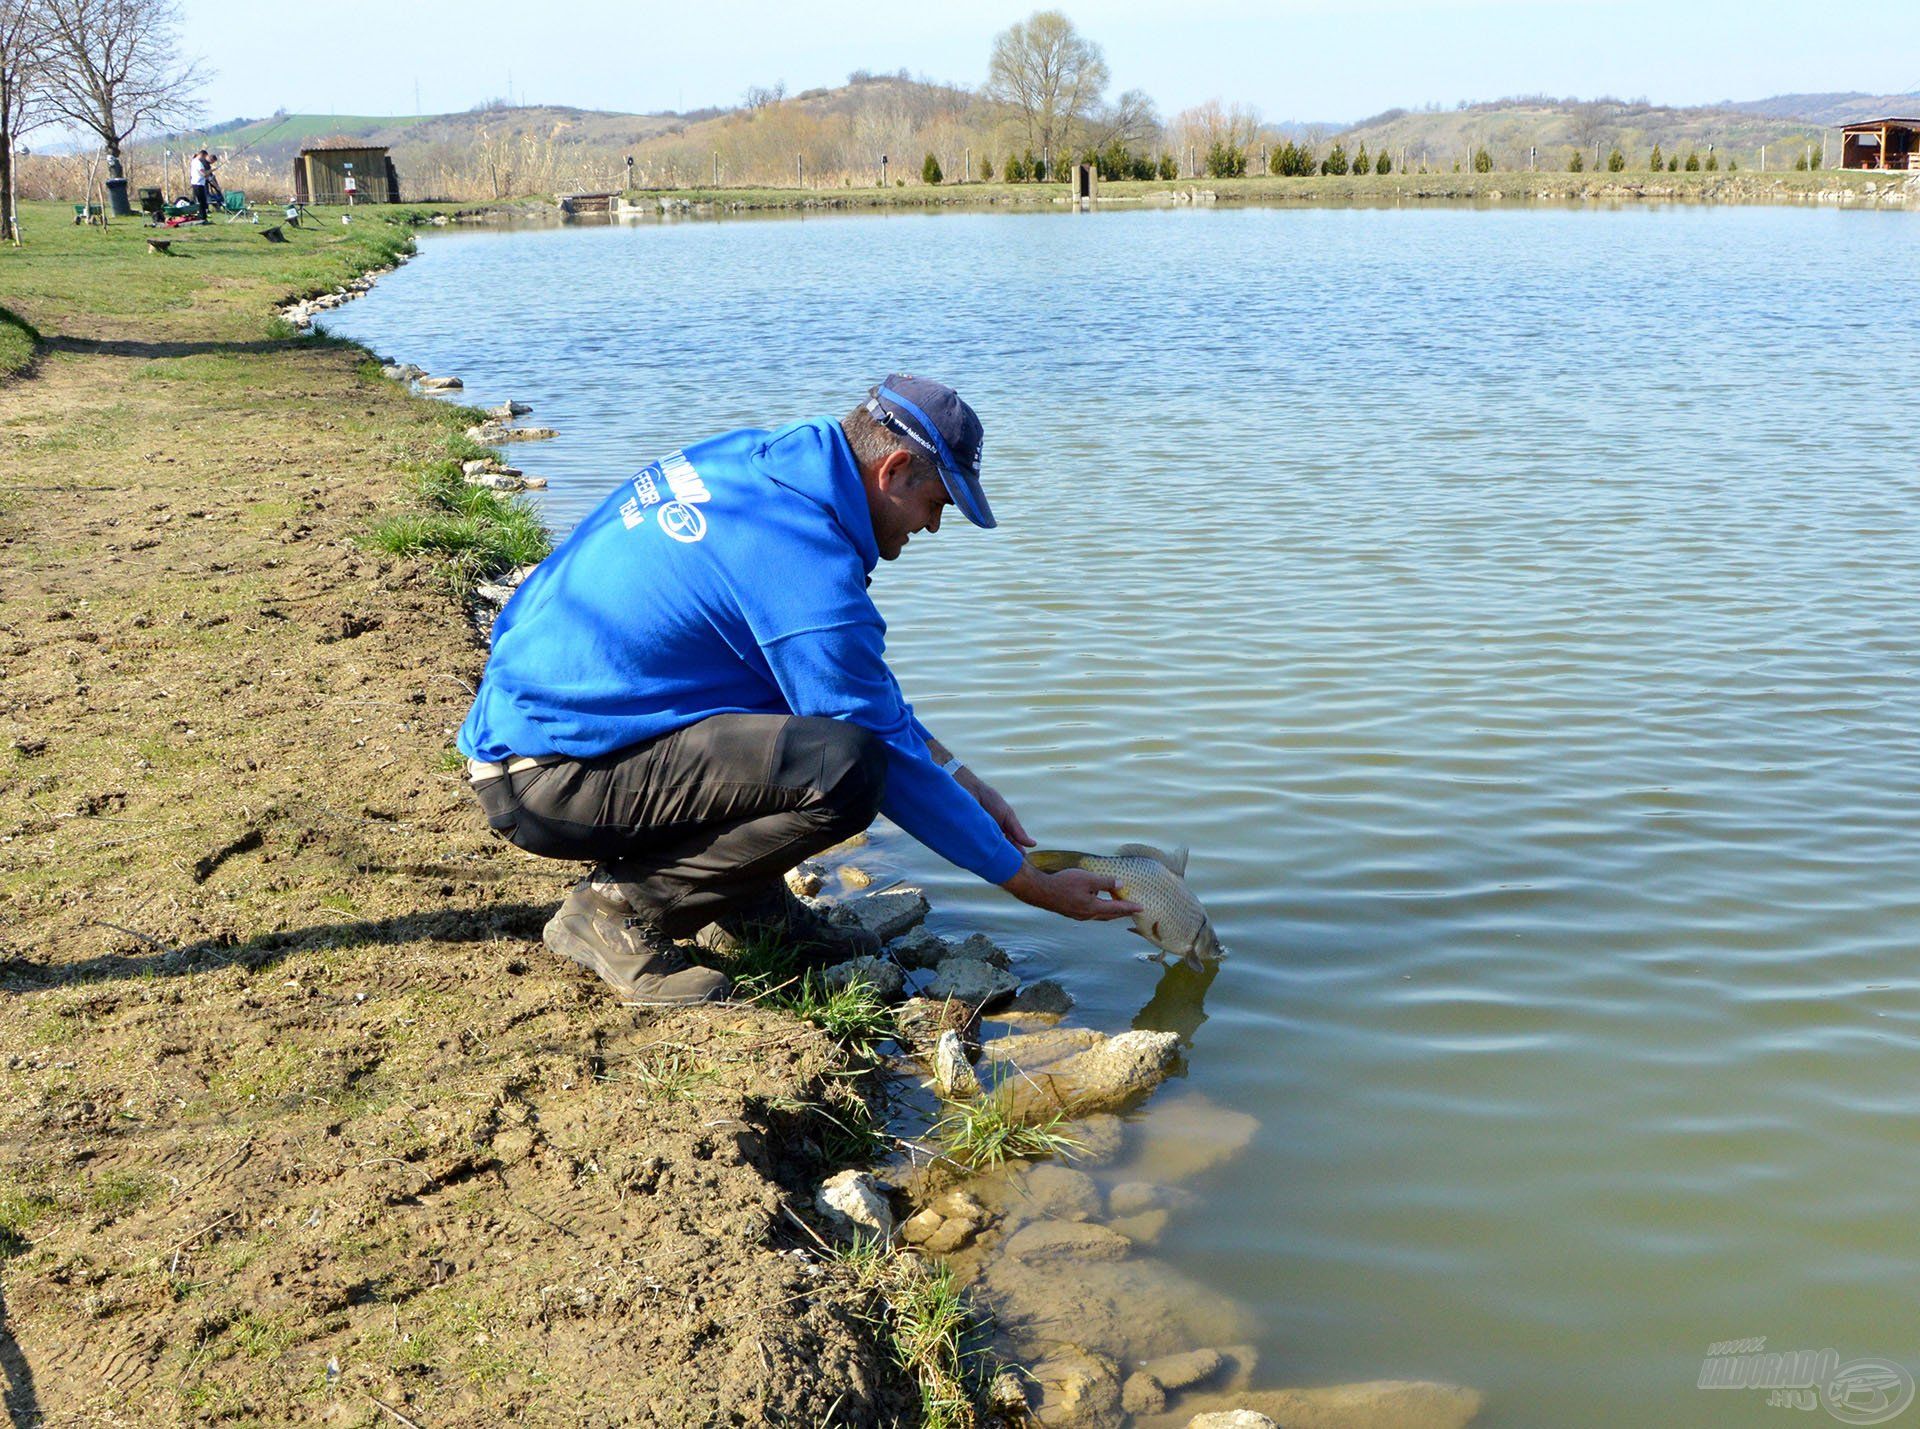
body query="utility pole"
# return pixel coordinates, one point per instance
(1763, 158)
(800, 168)
(1193, 170)
(883, 171)
(966, 176)
(716, 168)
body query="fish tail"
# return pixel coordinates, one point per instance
(1053, 860)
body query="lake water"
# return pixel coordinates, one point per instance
(1513, 609)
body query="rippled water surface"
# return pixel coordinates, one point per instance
(1515, 612)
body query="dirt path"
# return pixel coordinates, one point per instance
(299, 1119)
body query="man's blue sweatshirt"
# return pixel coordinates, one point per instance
(730, 578)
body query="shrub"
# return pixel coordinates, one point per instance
(1616, 161)
(1225, 161)
(1017, 171)
(1656, 163)
(1713, 163)
(1673, 164)
(1383, 165)
(1169, 167)
(930, 170)
(1577, 164)
(1693, 163)
(1036, 167)
(1291, 159)
(1800, 164)
(1732, 165)
(986, 168)
(1361, 163)
(1142, 166)
(1336, 160)
(1482, 160)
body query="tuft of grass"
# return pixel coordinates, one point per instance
(261, 1337)
(766, 971)
(477, 533)
(928, 1324)
(114, 1193)
(670, 1079)
(990, 1132)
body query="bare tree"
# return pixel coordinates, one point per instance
(116, 68)
(1053, 75)
(1131, 119)
(24, 41)
(1592, 121)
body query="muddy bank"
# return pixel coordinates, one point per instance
(299, 1118)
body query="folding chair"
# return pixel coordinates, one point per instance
(234, 202)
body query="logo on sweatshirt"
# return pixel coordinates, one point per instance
(679, 517)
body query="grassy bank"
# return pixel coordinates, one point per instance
(1741, 187)
(299, 1119)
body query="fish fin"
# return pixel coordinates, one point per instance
(1175, 862)
(1053, 860)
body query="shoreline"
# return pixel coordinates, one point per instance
(1841, 188)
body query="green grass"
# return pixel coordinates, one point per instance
(928, 1325)
(477, 533)
(768, 972)
(19, 339)
(990, 1132)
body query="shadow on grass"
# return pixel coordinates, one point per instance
(439, 925)
(185, 347)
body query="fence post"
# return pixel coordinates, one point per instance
(716, 168)
(966, 176)
(883, 171)
(1193, 170)
(800, 169)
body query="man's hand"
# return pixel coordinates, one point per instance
(1072, 893)
(998, 809)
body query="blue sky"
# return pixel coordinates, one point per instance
(1294, 59)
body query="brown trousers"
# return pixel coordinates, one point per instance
(704, 819)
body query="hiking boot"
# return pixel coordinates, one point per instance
(599, 932)
(800, 926)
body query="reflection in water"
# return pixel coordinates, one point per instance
(1177, 1001)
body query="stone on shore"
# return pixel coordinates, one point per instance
(1141, 1394)
(921, 1020)
(1107, 1077)
(983, 949)
(973, 982)
(854, 877)
(1045, 998)
(1376, 1404)
(854, 1205)
(1066, 1241)
(504, 479)
(1136, 1198)
(507, 410)
(953, 1075)
(804, 880)
(1231, 1419)
(1058, 1193)
(885, 915)
(920, 950)
(1098, 1139)
(1187, 1135)
(1031, 1051)
(441, 384)
(1079, 1389)
(1184, 1370)
(886, 980)
(493, 433)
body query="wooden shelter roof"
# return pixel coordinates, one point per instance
(338, 141)
(1879, 123)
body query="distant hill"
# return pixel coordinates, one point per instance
(1847, 108)
(277, 139)
(1509, 128)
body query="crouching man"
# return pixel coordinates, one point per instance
(692, 694)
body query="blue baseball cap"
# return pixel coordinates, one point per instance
(931, 415)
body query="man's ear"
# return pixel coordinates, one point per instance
(894, 469)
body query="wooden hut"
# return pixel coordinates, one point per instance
(321, 173)
(1881, 144)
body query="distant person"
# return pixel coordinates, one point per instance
(199, 171)
(692, 694)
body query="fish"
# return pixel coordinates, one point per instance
(1170, 917)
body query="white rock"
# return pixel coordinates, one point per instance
(496, 481)
(1231, 1419)
(953, 1075)
(854, 1205)
(971, 981)
(534, 483)
(505, 411)
(441, 384)
(805, 879)
(885, 915)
